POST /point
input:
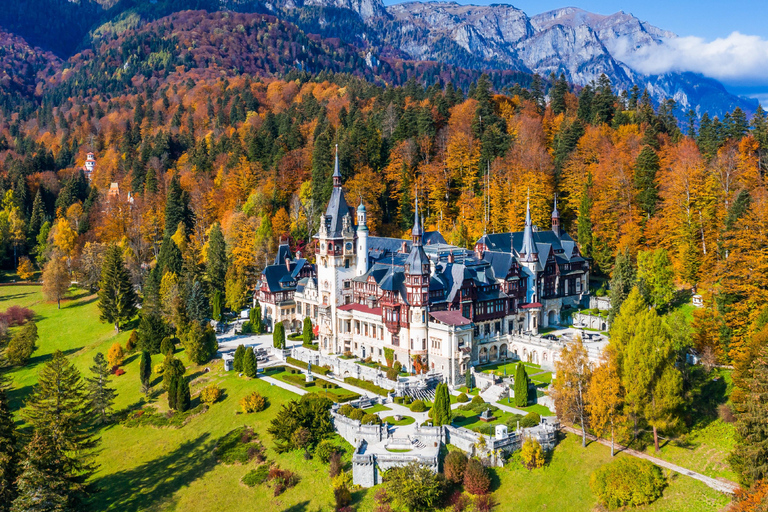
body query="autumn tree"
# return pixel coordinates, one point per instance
(56, 279)
(605, 397)
(750, 457)
(571, 393)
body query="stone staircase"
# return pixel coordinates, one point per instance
(493, 394)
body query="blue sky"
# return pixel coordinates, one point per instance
(727, 41)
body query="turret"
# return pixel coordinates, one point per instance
(417, 232)
(556, 219)
(362, 240)
(529, 251)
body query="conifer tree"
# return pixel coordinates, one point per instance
(750, 457)
(468, 381)
(306, 331)
(183, 398)
(217, 302)
(38, 217)
(646, 167)
(441, 409)
(278, 335)
(250, 365)
(145, 371)
(45, 483)
(521, 386)
(217, 258)
(177, 210)
(102, 396)
(623, 279)
(173, 390)
(59, 408)
(557, 95)
(237, 363)
(152, 330)
(9, 456)
(256, 323)
(197, 304)
(117, 298)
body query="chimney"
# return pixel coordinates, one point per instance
(298, 255)
(288, 263)
(451, 258)
(404, 247)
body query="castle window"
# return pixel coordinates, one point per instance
(346, 263)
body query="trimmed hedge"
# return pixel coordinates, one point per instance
(627, 481)
(368, 386)
(301, 364)
(297, 380)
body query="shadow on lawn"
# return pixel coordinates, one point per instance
(13, 296)
(152, 485)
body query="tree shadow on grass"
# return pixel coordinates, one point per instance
(13, 296)
(17, 397)
(42, 358)
(152, 485)
(299, 507)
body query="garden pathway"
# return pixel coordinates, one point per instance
(721, 484)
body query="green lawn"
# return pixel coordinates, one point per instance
(377, 408)
(147, 468)
(337, 394)
(406, 420)
(542, 378)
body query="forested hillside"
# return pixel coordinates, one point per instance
(235, 117)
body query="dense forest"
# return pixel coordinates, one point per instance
(231, 120)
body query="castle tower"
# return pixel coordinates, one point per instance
(362, 240)
(417, 288)
(529, 252)
(336, 258)
(90, 165)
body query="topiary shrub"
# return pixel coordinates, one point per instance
(478, 400)
(357, 414)
(211, 394)
(627, 481)
(398, 366)
(530, 420)
(168, 345)
(418, 406)
(453, 467)
(392, 374)
(477, 478)
(346, 410)
(253, 402)
(370, 419)
(463, 398)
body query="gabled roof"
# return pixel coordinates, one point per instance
(337, 209)
(283, 253)
(451, 317)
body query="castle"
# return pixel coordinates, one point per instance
(424, 302)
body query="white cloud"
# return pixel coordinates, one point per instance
(736, 59)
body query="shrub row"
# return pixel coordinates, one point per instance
(301, 364)
(368, 386)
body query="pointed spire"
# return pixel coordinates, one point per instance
(336, 172)
(417, 232)
(556, 218)
(529, 250)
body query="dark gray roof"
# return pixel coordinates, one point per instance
(337, 209)
(283, 252)
(505, 242)
(433, 237)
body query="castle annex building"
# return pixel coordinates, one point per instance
(431, 303)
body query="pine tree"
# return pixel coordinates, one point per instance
(173, 389)
(278, 336)
(441, 408)
(38, 217)
(521, 386)
(256, 323)
(177, 210)
(623, 279)
(183, 398)
(197, 303)
(250, 365)
(117, 298)
(217, 258)
(145, 371)
(9, 456)
(102, 396)
(558, 95)
(646, 167)
(60, 409)
(306, 331)
(45, 483)
(468, 381)
(750, 457)
(217, 301)
(237, 363)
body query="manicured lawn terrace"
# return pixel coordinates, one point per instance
(337, 394)
(510, 367)
(382, 367)
(406, 420)
(166, 469)
(377, 408)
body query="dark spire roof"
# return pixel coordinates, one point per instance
(336, 172)
(417, 232)
(555, 213)
(529, 250)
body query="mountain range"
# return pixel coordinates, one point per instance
(580, 45)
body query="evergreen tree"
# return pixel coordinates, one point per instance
(558, 94)
(172, 367)
(237, 363)
(169, 259)
(9, 456)
(145, 371)
(623, 279)
(45, 482)
(60, 409)
(183, 398)
(197, 304)
(217, 259)
(646, 167)
(217, 302)
(250, 365)
(441, 409)
(101, 395)
(152, 330)
(177, 210)
(37, 218)
(256, 323)
(468, 381)
(750, 457)
(117, 298)
(521, 386)
(278, 335)
(306, 331)
(322, 169)
(172, 390)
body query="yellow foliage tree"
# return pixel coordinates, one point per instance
(25, 268)
(116, 355)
